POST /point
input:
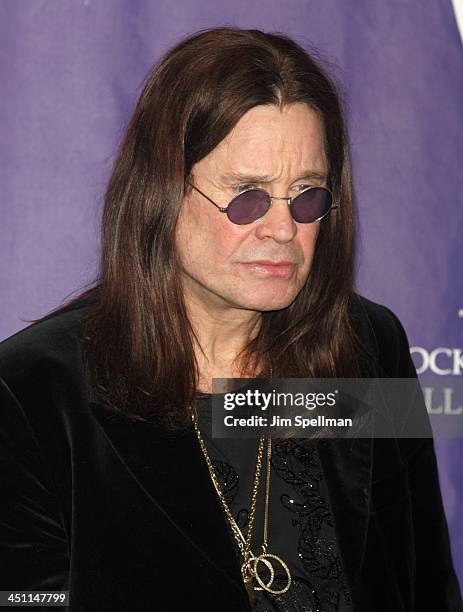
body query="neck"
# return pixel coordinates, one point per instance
(221, 334)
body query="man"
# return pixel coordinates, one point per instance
(227, 252)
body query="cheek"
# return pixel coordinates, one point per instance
(224, 241)
(193, 231)
(308, 238)
(204, 240)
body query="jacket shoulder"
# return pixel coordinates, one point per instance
(53, 340)
(386, 335)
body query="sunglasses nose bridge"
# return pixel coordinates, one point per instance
(281, 215)
(281, 198)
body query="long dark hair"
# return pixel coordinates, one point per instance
(137, 336)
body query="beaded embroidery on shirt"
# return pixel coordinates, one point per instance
(298, 465)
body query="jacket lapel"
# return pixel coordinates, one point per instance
(347, 468)
(170, 469)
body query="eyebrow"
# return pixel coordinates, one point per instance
(266, 178)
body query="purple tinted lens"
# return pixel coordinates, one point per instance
(248, 206)
(311, 205)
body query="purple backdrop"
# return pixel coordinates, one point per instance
(71, 71)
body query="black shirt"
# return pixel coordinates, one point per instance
(301, 528)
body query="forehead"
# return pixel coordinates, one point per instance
(271, 141)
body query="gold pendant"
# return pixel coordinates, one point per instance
(250, 571)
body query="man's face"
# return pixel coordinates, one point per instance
(224, 265)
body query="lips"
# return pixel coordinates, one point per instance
(268, 268)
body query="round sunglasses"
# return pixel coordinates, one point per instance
(309, 205)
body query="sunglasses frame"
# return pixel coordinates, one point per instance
(290, 201)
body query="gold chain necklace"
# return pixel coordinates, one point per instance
(250, 566)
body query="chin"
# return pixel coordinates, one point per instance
(269, 304)
(277, 306)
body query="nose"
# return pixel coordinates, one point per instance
(278, 222)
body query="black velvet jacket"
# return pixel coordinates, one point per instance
(125, 516)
